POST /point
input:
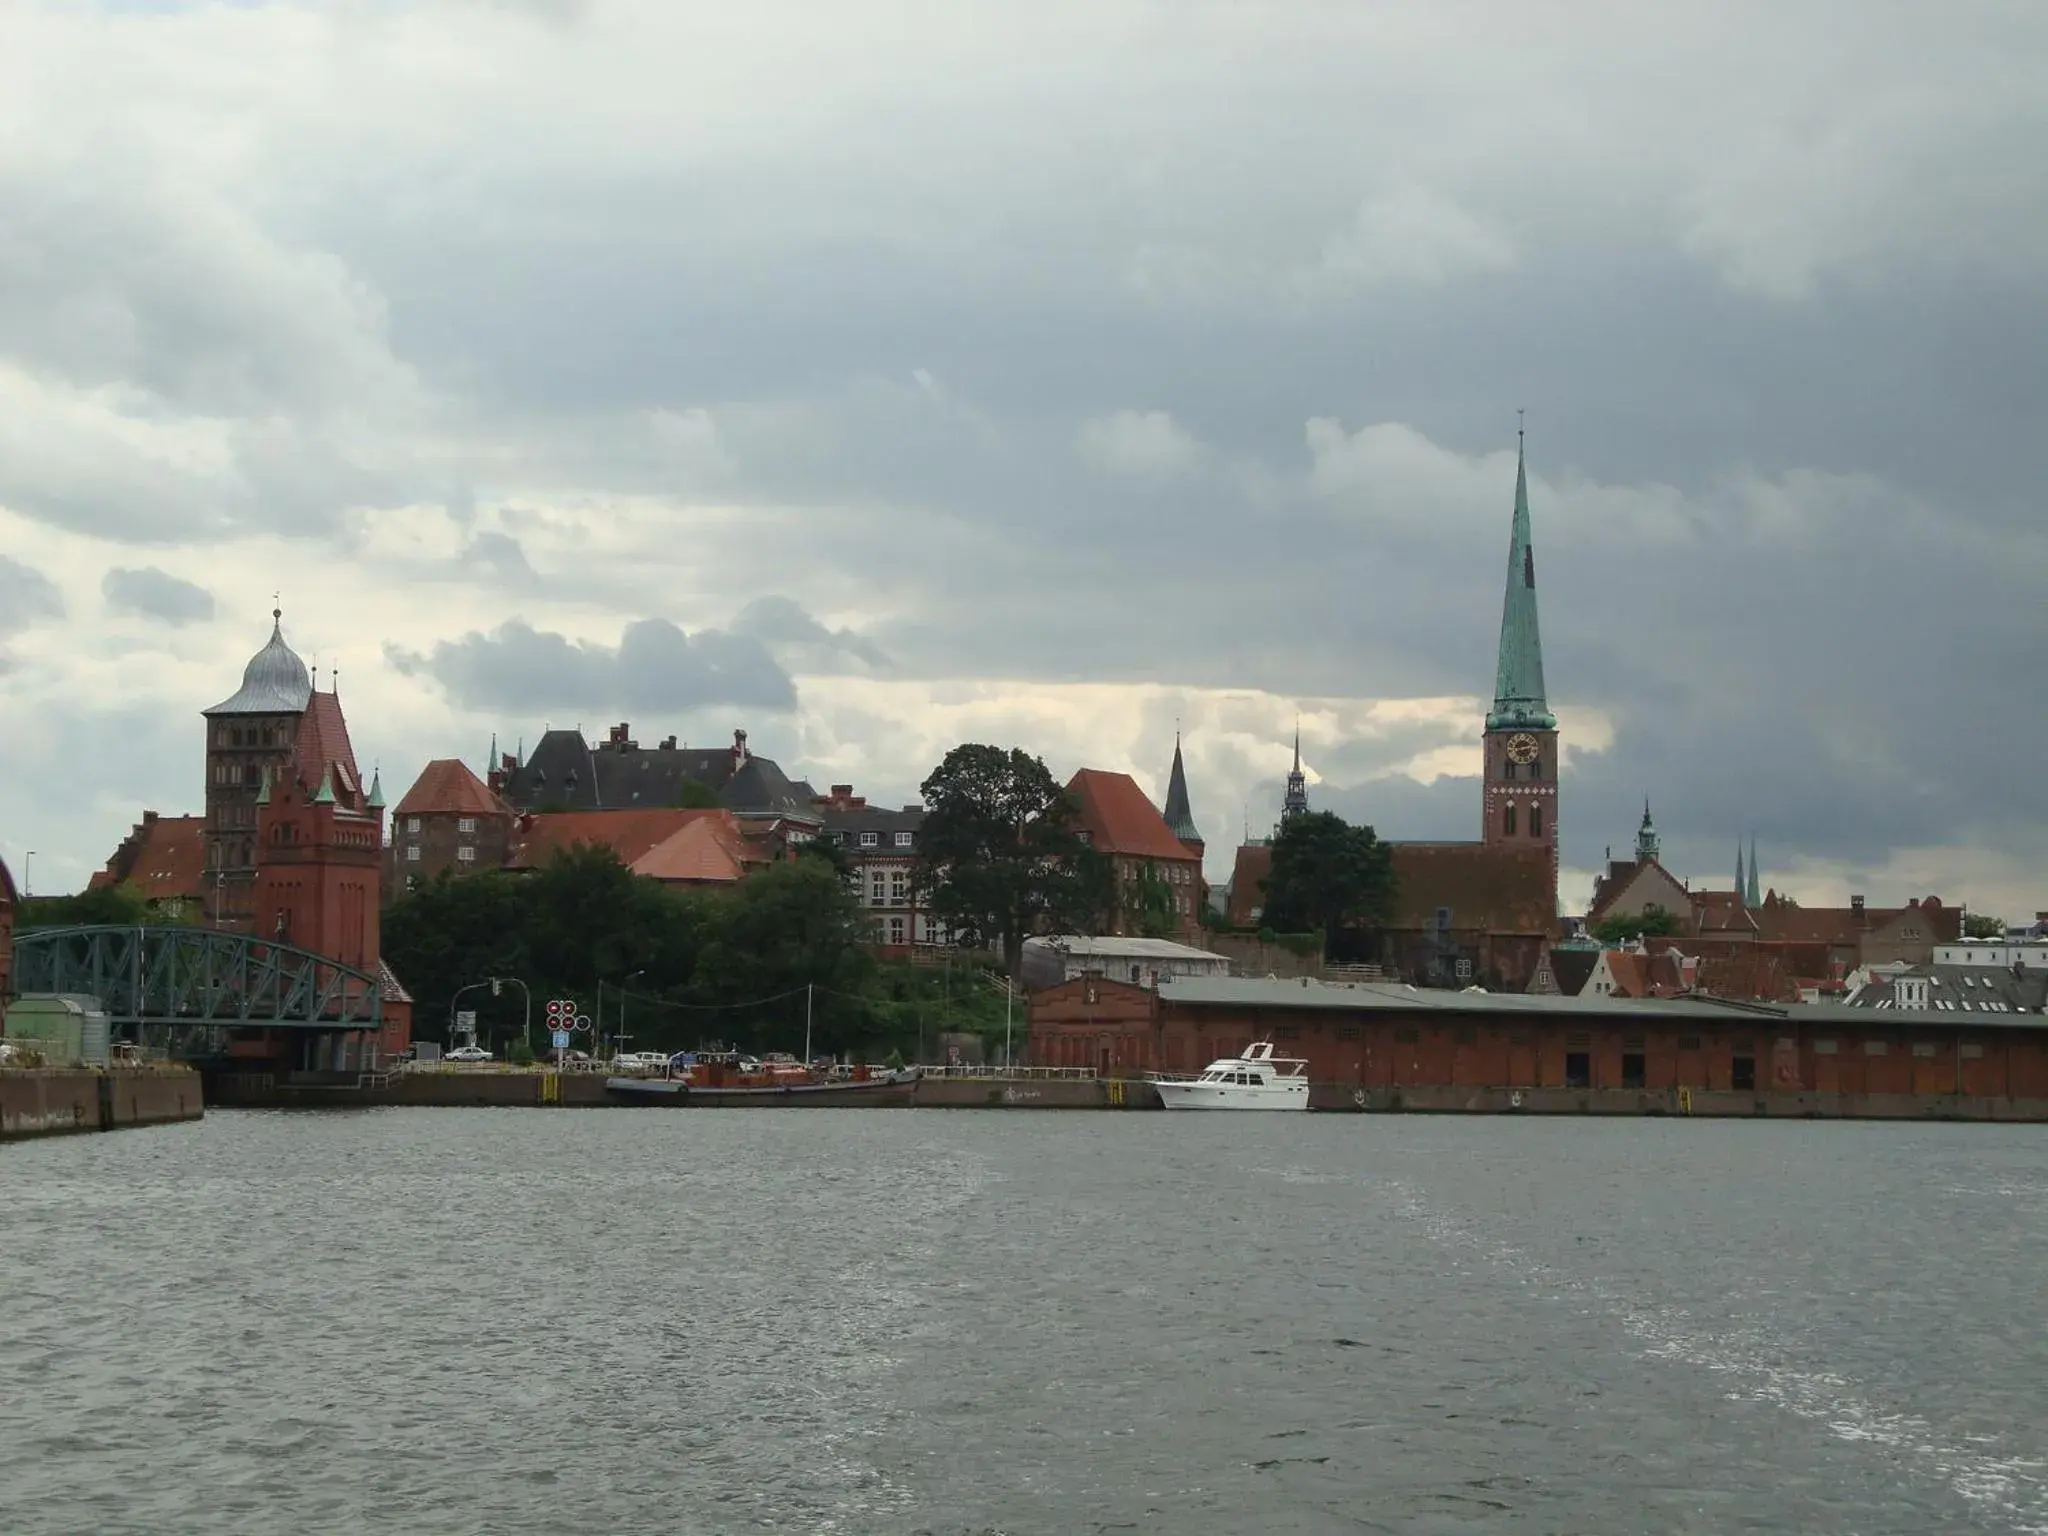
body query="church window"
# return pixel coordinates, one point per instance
(1508, 820)
(1535, 821)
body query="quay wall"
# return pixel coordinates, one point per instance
(1034, 1093)
(61, 1101)
(1699, 1103)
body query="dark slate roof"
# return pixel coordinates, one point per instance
(1180, 817)
(565, 770)
(844, 825)
(1573, 968)
(1962, 989)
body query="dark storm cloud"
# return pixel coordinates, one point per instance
(781, 621)
(656, 667)
(157, 595)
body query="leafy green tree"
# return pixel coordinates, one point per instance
(1977, 926)
(1002, 852)
(1149, 906)
(1328, 876)
(789, 927)
(1651, 923)
(696, 795)
(113, 906)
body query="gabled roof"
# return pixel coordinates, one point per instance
(1248, 882)
(164, 857)
(1572, 968)
(1721, 912)
(446, 786)
(1486, 889)
(1121, 819)
(389, 986)
(1637, 879)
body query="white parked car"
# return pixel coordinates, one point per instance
(467, 1053)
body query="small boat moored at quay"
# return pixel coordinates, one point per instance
(1256, 1080)
(724, 1077)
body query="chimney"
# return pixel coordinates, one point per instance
(668, 743)
(1856, 906)
(148, 817)
(739, 749)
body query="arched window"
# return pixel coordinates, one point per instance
(1535, 821)
(1508, 819)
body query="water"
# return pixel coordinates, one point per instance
(498, 1321)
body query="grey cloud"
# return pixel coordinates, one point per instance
(777, 620)
(498, 555)
(26, 595)
(157, 594)
(655, 667)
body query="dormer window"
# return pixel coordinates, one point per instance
(870, 839)
(902, 839)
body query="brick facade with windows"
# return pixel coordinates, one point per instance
(1121, 823)
(448, 821)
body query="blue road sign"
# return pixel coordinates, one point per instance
(561, 1039)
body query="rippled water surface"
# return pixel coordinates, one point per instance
(865, 1320)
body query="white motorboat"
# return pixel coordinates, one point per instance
(1256, 1080)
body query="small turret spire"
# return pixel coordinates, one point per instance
(1754, 896)
(1741, 885)
(1648, 845)
(326, 793)
(376, 800)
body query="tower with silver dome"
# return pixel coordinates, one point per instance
(252, 733)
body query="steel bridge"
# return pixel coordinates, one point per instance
(195, 982)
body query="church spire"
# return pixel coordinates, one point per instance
(1518, 698)
(1180, 819)
(1753, 896)
(1741, 885)
(1296, 803)
(1647, 844)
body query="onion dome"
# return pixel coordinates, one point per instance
(274, 683)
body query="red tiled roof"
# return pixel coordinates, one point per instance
(8, 894)
(629, 834)
(1490, 890)
(163, 856)
(708, 849)
(1636, 973)
(1247, 881)
(1721, 912)
(1120, 819)
(323, 743)
(447, 785)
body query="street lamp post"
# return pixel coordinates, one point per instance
(624, 994)
(466, 987)
(28, 875)
(525, 992)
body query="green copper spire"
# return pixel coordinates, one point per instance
(1753, 896)
(376, 800)
(326, 795)
(1518, 683)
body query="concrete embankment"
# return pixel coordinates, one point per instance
(1035, 1093)
(1700, 1103)
(59, 1101)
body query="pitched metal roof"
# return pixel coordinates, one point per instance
(1518, 696)
(275, 682)
(1084, 947)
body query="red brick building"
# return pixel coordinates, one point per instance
(164, 859)
(1121, 823)
(1443, 1043)
(451, 822)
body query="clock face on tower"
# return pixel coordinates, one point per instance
(1522, 748)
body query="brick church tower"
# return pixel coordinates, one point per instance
(1521, 732)
(250, 737)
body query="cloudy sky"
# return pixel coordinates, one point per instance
(876, 375)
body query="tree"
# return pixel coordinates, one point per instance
(1977, 926)
(696, 795)
(110, 906)
(1328, 875)
(1002, 853)
(790, 927)
(1149, 905)
(1650, 923)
